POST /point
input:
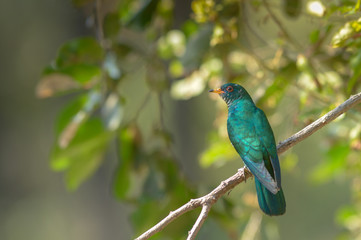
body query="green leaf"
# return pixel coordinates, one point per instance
(73, 122)
(127, 153)
(176, 69)
(111, 25)
(314, 36)
(84, 50)
(78, 60)
(68, 112)
(130, 174)
(144, 216)
(346, 214)
(171, 45)
(292, 8)
(82, 168)
(335, 162)
(143, 17)
(289, 162)
(189, 28)
(82, 73)
(191, 86)
(346, 33)
(197, 46)
(84, 154)
(218, 152)
(204, 11)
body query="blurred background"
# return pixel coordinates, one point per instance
(107, 124)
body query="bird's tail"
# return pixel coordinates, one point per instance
(271, 204)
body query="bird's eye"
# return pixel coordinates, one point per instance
(230, 89)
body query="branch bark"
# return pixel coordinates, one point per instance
(243, 174)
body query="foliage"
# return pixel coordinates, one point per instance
(138, 56)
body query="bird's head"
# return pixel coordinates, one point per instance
(230, 92)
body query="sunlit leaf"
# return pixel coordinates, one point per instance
(52, 84)
(68, 112)
(347, 32)
(176, 68)
(172, 44)
(111, 66)
(112, 112)
(203, 10)
(316, 8)
(78, 119)
(346, 214)
(190, 86)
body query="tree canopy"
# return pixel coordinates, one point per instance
(139, 83)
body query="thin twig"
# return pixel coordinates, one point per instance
(161, 111)
(281, 27)
(252, 227)
(210, 198)
(243, 18)
(99, 23)
(200, 220)
(243, 174)
(141, 107)
(293, 42)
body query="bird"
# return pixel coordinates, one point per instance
(252, 137)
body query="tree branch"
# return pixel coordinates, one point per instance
(197, 226)
(243, 174)
(281, 27)
(319, 123)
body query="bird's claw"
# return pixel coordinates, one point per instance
(242, 171)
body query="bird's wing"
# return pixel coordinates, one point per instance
(265, 133)
(244, 137)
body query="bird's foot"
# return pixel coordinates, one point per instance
(242, 171)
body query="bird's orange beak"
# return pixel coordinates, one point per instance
(217, 90)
